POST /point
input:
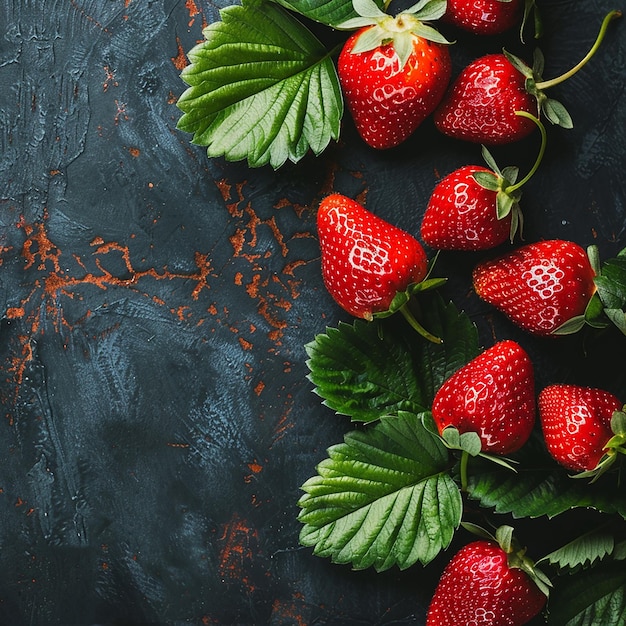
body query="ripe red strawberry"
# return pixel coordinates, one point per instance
(475, 208)
(484, 17)
(489, 585)
(538, 286)
(462, 214)
(577, 426)
(480, 106)
(393, 73)
(366, 261)
(493, 395)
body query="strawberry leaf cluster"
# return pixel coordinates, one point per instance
(435, 418)
(261, 87)
(391, 495)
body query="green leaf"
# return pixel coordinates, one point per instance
(368, 369)
(595, 597)
(556, 113)
(428, 10)
(382, 498)
(594, 312)
(504, 204)
(328, 12)
(583, 551)
(611, 283)
(541, 488)
(618, 317)
(261, 88)
(487, 180)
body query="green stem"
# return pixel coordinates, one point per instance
(410, 318)
(463, 470)
(559, 79)
(535, 167)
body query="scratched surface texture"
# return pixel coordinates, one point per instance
(156, 418)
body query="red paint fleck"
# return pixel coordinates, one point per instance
(56, 281)
(255, 467)
(180, 60)
(246, 345)
(239, 546)
(109, 79)
(120, 113)
(193, 11)
(289, 611)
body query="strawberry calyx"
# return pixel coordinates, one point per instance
(516, 554)
(614, 446)
(504, 181)
(607, 305)
(535, 85)
(469, 444)
(380, 28)
(530, 7)
(402, 300)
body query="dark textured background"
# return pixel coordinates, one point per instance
(157, 422)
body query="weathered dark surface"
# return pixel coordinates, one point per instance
(154, 307)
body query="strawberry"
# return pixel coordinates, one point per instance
(369, 266)
(484, 17)
(488, 582)
(539, 286)
(461, 213)
(493, 396)
(584, 428)
(475, 208)
(481, 104)
(393, 71)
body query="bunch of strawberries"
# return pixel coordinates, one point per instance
(395, 72)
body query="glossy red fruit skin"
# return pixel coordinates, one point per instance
(387, 102)
(576, 423)
(493, 395)
(480, 105)
(461, 215)
(484, 17)
(538, 286)
(478, 587)
(366, 260)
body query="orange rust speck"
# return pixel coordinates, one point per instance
(15, 312)
(246, 345)
(259, 388)
(255, 467)
(238, 551)
(134, 152)
(180, 60)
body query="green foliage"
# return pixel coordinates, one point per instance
(382, 498)
(594, 597)
(261, 88)
(368, 369)
(329, 12)
(541, 488)
(583, 551)
(611, 285)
